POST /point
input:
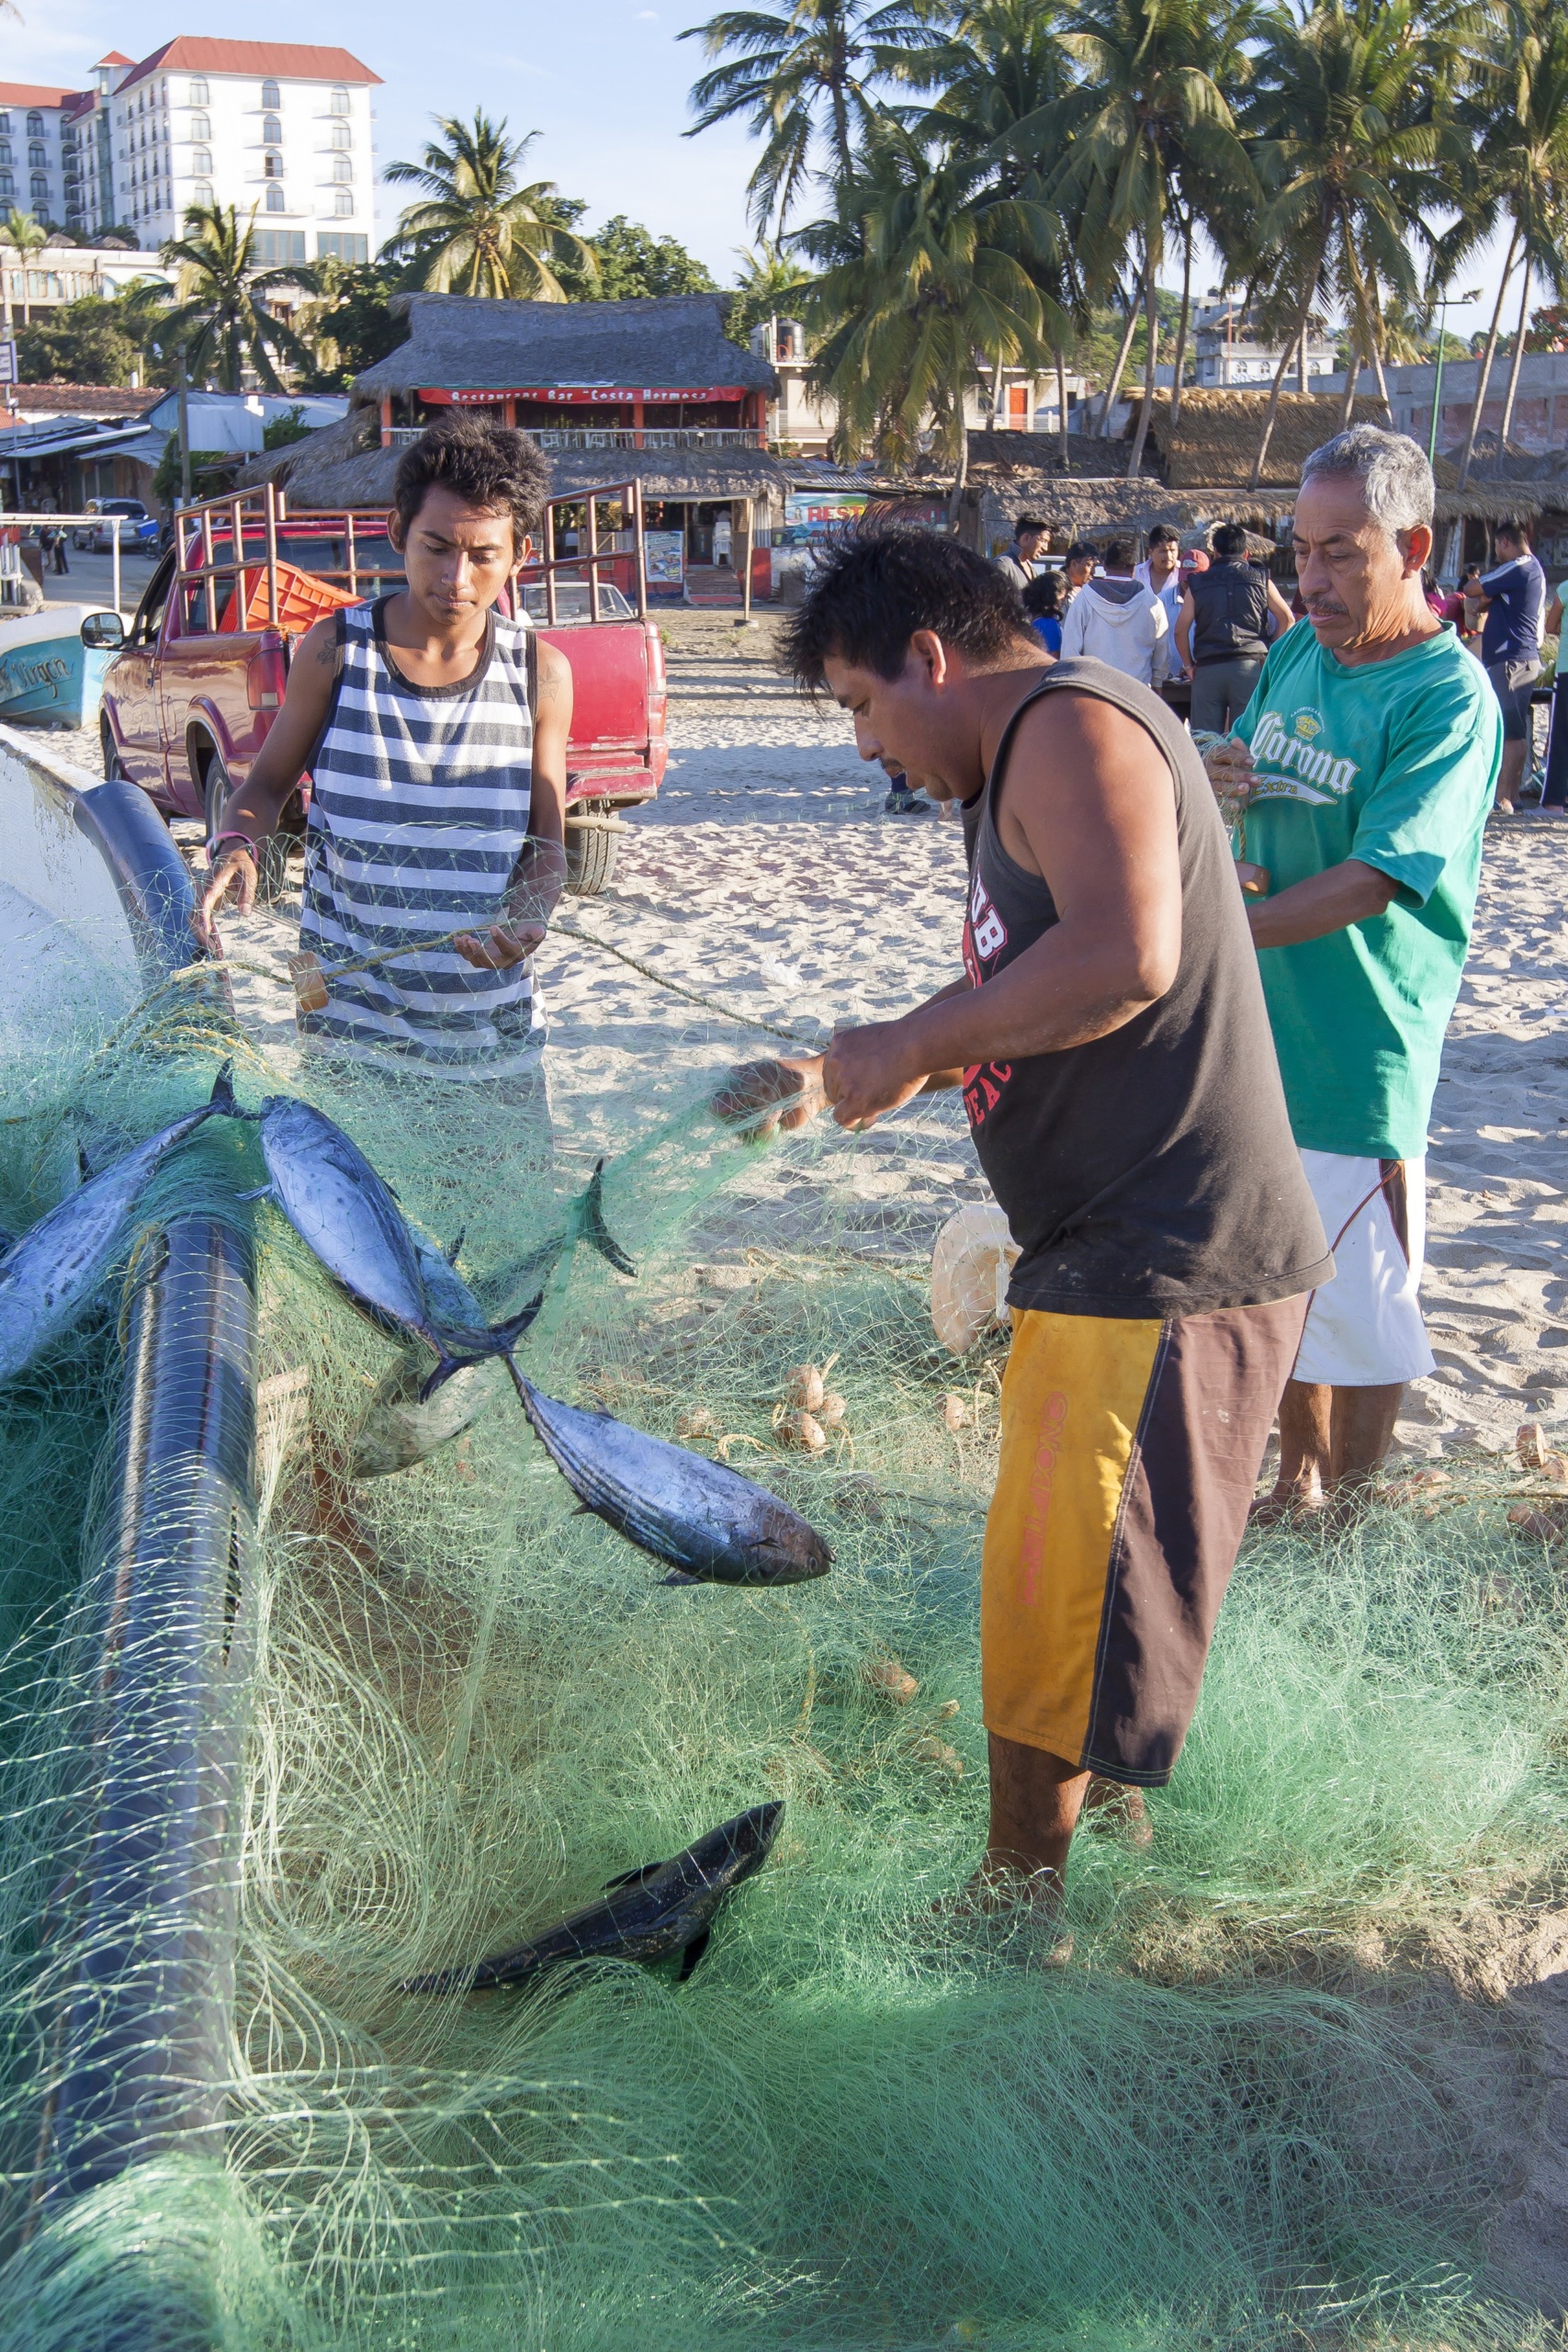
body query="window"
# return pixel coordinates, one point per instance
(36, 152)
(201, 192)
(35, 126)
(336, 244)
(342, 168)
(339, 102)
(202, 160)
(40, 188)
(342, 199)
(196, 94)
(270, 99)
(274, 199)
(5, 151)
(339, 135)
(276, 247)
(272, 165)
(200, 127)
(6, 123)
(8, 185)
(272, 131)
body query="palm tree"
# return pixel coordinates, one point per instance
(1346, 106)
(218, 320)
(770, 280)
(931, 275)
(27, 236)
(795, 71)
(1516, 105)
(1146, 115)
(476, 229)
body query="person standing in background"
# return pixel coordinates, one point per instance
(1223, 633)
(1117, 620)
(1513, 598)
(1160, 572)
(1078, 567)
(1042, 603)
(1020, 562)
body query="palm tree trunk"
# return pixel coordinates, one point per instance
(1062, 411)
(1352, 373)
(1151, 365)
(1484, 371)
(996, 395)
(1302, 363)
(1513, 370)
(1382, 380)
(1271, 413)
(1179, 362)
(1116, 384)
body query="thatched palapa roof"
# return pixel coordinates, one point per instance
(457, 344)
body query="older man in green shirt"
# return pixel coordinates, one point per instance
(1372, 745)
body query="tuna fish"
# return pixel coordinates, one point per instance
(49, 1276)
(703, 1518)
(348, 1217)
(649, 1914)
(593, 1228)
(400, 1428)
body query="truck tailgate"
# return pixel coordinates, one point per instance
(618, 744)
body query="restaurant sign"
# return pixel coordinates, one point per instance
(582, 395)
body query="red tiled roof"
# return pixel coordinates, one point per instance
(283, 60)
(33, 94)
(115, 57)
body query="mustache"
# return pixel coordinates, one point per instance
(1327, 609)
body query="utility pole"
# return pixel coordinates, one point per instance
(185, 430)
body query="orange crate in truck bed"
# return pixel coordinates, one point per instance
(302, 599)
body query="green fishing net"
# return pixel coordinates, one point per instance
(1226, 2100)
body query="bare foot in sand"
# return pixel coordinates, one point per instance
(1288, 1507)
(1119, 1809)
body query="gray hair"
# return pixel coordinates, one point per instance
(1395, 478)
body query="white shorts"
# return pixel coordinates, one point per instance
(1364, 1329)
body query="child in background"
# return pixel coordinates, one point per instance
(1042, 603)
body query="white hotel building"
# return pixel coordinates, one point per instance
(280, 127)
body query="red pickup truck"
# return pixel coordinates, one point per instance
(189, 698)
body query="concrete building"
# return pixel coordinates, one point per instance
(280, 128)
(32, 176)
(60, 273)
(802, 421)
(1539, 423)
(1228, 351)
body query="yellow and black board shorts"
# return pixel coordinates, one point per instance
(1130, 1453)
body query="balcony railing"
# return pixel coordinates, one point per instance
(693, 436)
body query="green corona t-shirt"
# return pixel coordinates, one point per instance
(1392, 762)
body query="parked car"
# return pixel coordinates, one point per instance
(124, 517)
(189, 701)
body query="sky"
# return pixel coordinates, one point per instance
(604, 82)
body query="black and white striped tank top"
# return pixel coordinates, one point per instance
(419, 813)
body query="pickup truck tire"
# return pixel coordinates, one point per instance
(113, 772)
(590, 857)
(272, 865)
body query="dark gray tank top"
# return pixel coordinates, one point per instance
(1230, 604)
(1152, 1172)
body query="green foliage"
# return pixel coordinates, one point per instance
(771, 284)
(351, 325)
(475, 227)
(219, 318)
(278, 432)
(211, 472)
(632, 262)
(83, 342)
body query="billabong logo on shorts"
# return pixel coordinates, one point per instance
(1290, 767)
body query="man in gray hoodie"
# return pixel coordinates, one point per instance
(1117, 620)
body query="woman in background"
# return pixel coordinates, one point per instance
(1043, 602)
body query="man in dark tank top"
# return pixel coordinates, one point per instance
(1110, 1038)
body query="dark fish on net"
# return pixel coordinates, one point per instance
(49, 1277)
(648, 1915)
(347, 1215)
(594, 1228)
(703, 1518)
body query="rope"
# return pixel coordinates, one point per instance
(709, 1004)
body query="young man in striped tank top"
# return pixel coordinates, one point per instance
(438, 783)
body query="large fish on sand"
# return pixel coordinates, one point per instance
(648, 1915)
(347, 1216)
(49, 1276)
(703, 1518)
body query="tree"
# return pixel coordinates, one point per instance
(477, 228)
(1146, 116)
(1516, 106)
(1349, 137)
(219, 319)
(796, 70)
(84, 341)
(631, 262)
(930, 276)
(770, 282)
(26, 236)
(352, 326)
